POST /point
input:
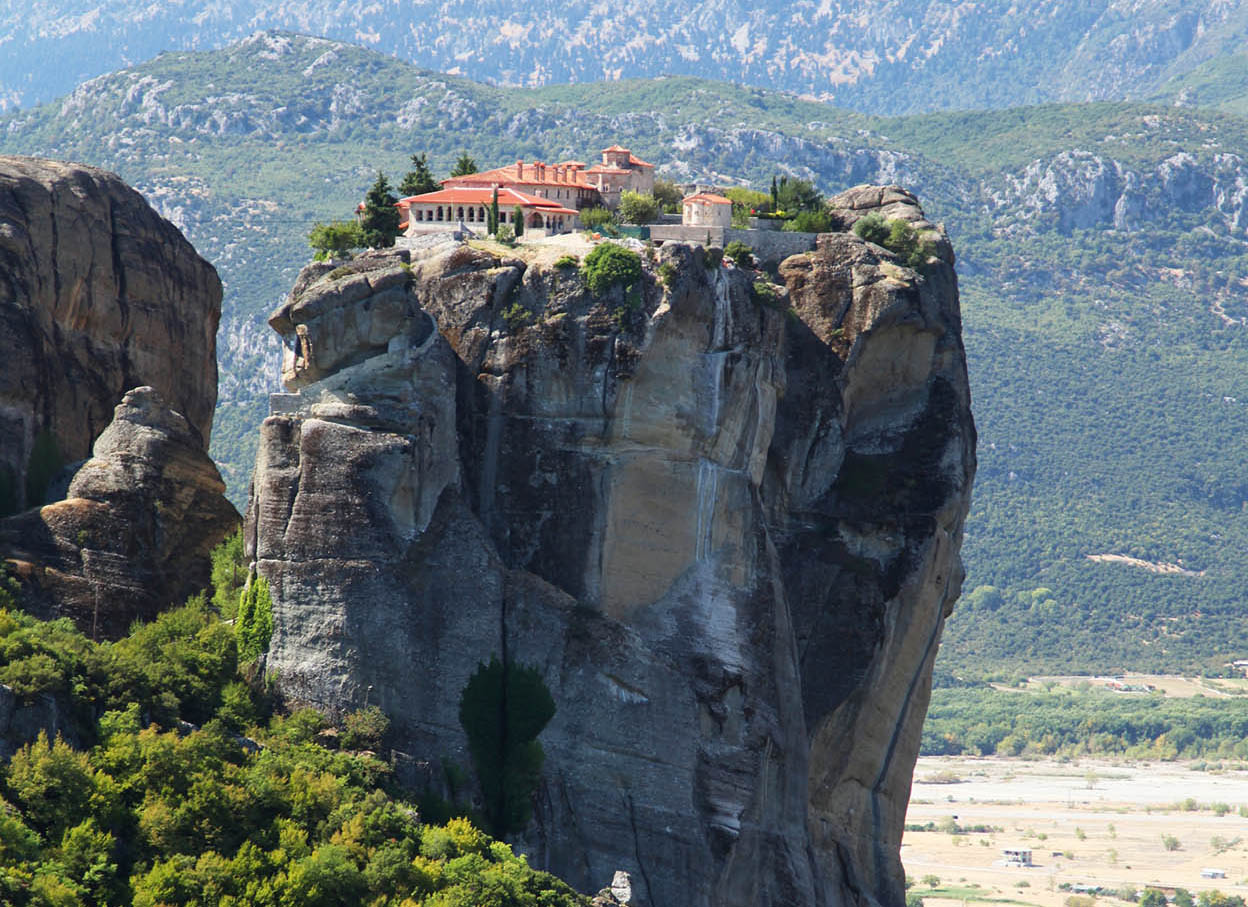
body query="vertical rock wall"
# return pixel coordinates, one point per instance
(98, 294)
(722, 521)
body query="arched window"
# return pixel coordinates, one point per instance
(460, 215)
(472, 213)
(439, 212)
(481, 214)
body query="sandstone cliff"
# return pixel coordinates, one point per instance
(721, 519)
(98, 294)
(133, 533)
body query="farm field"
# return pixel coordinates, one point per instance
(1087, 822)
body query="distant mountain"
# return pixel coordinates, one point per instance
(1102, 256)
(886, 56)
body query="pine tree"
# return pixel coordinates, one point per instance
(464, 166)
(419, 179)
(381, 218)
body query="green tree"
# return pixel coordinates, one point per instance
(638, 207)
(810, 222)
(775, 194)
(1153, 898)
(1170, 842)
(610, 264)
(517, 220)
(254, 625)
(53, 784)
(464, 166)
(1183, 898)
(596, 217)
(492, 217)
(668, 195)
(502, 710)
(229, 573)
(419, 179)
(335, 239)
(795, 195)
(739, 254)
(380, 223)
(44, 463)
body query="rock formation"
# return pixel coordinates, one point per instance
(132, 536)
(98, 294)
(720, 517)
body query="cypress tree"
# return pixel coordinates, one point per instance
(517, 215)
(493, 221)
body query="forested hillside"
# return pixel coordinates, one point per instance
(1101, 251)
(884, 56)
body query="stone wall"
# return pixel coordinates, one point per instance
(770, 246)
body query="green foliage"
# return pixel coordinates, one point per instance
(506, 234)
(44, 463)
(667, 273)
(609, 265)
(809, 222)
(765, 294)
(336, 239)
(254, 625)
(517, 220)
(492, 215)
(873, 228)
(229, 573)
(464, 166)
(668, 195)
(364, 729)
(517, 316)
(1170, 842)
(638, 208)
(10, 590)
(380, 222)
(419, 179)
(596, 218)
(739, 254)
(795, 195)
(502, 710)
(53, 783)
(567, 261)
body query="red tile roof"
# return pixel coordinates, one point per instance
(510, 174)
(638, 162)
(708, 198)
(614, 148)
(484, 195)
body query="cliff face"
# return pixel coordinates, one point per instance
(722, 523)
(98, 295)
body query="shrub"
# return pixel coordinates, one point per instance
(638, 208)
(739, 254)
(931, 881)
(810, 222)
(610, 264)
(594, 218)
(516, 316)
(335, 239)
(667, 273)
(365, 728)
(872, 228)
(567, 261)
(229, 572)
(668, 195)
(506, 234)
(765, 294)
(1170, 842)
(714, 257)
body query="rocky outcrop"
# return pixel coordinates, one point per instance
(98, 294)
(132, 536)
(721, 518)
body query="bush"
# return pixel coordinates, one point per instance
(567, 261)
(1170, 842)
(336, 239)
(872, 228)
(506, 234)
(610, 264)
(765, 294)
(229, 572)
(594, 218)
(739, 254)
(667, 273)
(809, 222)
(365, 729)
(638, 208)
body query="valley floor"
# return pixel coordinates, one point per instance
(1087, 822)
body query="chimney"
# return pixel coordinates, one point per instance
(558, 174)
(519, 170)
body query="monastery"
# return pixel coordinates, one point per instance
(548, 196)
